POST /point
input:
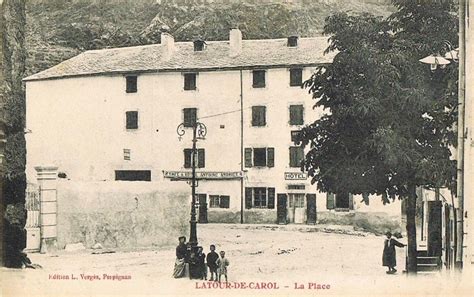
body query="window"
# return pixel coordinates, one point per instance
(295, 135)
(131, 119)
(296, 156)
(126, 154)
(199, 45)
(189, 117)
(340, 201)
(260, 157)
(293, 41)
(260, 197)
(296, 115)
(133, 175)
(200, 160)
(258, 79)
(219, 201)
(131, 85)
(296, 77)
(296, 200)
(259, 116)
(189, 81)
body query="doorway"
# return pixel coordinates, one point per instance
(296, 208)
(201, 206)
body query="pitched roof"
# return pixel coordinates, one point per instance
(151, 58)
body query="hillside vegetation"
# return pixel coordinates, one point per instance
(59, 29)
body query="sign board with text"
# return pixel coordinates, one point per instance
(217, 175)
(296, 175)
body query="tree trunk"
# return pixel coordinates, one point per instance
(12, 106)
(411, 229)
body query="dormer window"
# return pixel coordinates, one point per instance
(199, 45)
(293, 41)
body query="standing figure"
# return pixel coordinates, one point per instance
(222, 264)
(202, 263)
(212, 257)
(180, 263)
(194, 267)
(389, 257)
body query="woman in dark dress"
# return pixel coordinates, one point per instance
(180, 263)
(389, 257)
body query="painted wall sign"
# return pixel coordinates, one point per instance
(296, 176)
(203, 174)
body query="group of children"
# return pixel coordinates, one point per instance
(198, 262)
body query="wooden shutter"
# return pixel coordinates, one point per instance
(311, 213)
(224, 202)
(201, 158)
(351, 201)
(248, 198)
(330, 201)
(187, 158)
(293, 156)
(270, 157)
(248, 157)
(271, 198)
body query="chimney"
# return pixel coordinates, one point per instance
(167, 41)
(292, 41)
(235, 42)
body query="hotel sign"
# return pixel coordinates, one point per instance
(204, 174)
(296, 176)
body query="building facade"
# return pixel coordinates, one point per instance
(113, 114)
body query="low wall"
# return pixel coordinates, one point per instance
(122, 214)
(377, 223)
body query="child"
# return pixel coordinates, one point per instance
(389, 258)
(222, 264)
(202, 263)
(212, 257)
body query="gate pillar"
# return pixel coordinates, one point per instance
(47, 181)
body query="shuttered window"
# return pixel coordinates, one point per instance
(260, 157)
(296, 77)
(296, 156)
(260, 197)
(200, 160)
(296, 115)
(259, 116)
(131, 120)
(189, 81)
(131, 84)
(189, 117)
(258, 78)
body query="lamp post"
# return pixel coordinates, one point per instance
(457, 56)
(199, 132)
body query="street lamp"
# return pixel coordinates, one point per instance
(199, 132)
(458, 56)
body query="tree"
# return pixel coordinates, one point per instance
(389, 125)
(13, 108)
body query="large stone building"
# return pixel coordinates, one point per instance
(113, 114)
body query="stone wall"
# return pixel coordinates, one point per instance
(122, 214)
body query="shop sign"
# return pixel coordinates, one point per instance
(296, 175)
(203, 174)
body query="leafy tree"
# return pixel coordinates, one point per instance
(389, 123)
(13, 109)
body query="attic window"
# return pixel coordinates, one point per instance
(293, 41)
(199, 45)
